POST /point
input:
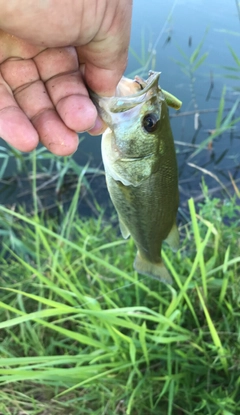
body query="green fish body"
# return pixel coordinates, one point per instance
(141, 169)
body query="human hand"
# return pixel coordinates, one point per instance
(49, 52)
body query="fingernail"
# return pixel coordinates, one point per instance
(98, 128)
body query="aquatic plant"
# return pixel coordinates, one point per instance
(233, 71)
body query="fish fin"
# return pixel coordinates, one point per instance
(123, 228)
(173, 238)
(154, 270)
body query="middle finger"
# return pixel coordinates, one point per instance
(59, 69)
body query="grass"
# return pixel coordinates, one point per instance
(82, 333)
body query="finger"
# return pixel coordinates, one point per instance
(105, 57)
(30, 94)
(72, 102)
(98, 128)
(59, 68)
(53, 133)
(15, 127)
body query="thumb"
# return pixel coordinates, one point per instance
(105, 57)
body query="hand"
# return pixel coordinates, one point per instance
(49, 52)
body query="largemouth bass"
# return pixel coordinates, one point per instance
(141, 168)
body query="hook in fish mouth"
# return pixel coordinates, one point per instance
(125, 99)
(139, 83)
(145, 86)
(128, 96)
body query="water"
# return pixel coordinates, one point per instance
(159, 29)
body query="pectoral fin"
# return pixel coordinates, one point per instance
(123, 228)
(155, 270)
(173, 238)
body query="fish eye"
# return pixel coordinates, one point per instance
(150, 122)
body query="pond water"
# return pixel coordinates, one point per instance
(164, 36)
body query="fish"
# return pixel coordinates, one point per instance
(141, 168)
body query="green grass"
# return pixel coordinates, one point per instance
(82, 333)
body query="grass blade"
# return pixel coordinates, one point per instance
(214, 334)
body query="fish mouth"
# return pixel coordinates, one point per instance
(134, 88)
(123, 101)
(148, 88)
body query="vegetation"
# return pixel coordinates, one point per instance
(82, 333)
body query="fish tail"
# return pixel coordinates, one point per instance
(155, 270)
